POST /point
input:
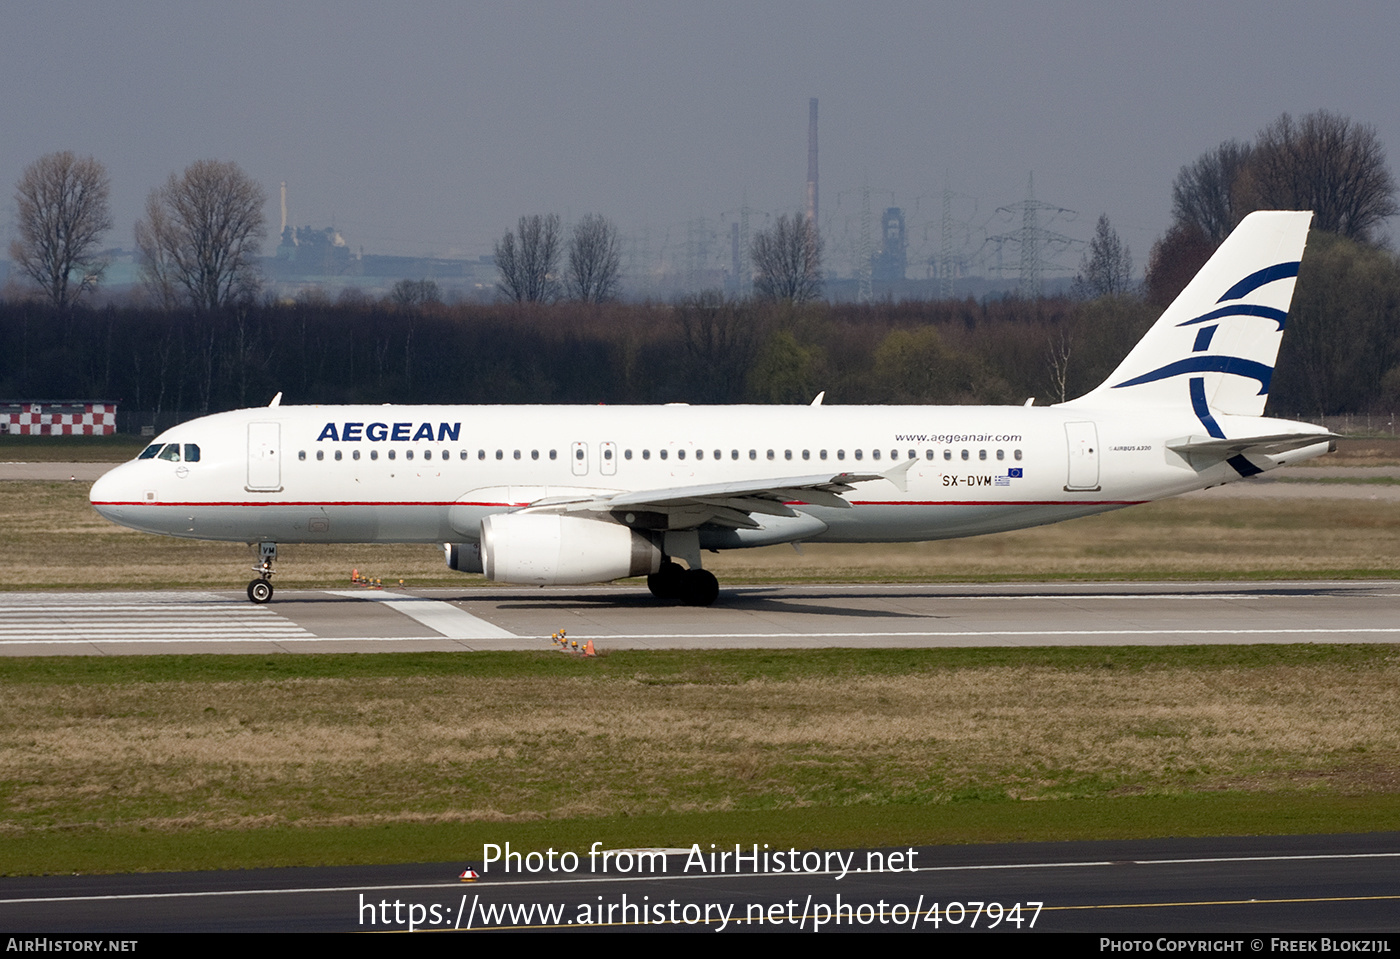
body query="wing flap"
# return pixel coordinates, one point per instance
(726, 504)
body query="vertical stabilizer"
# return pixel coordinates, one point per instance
(1214, 348)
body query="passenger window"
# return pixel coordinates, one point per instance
(822, 454)
(860, 454)
(374, 454)
(501, 454)
(554, 454)
(699, 454)
(517, 454)
(481, 454)
(408, 454)
(680, 454)
(806, 454)
(662, 453)
(646, 454)
(463, 455)
(1001, 454)
(770, 454)
(427, 454)
(320, 455)
(947, 454)
(1017, 455)
(355, 455)
(734, 454)
(578, 454)
(337, 456)
(301, 454)
(535, 454)
(840, 454)
(391, 454)
(719, 454)
(447, 454)
(191, 453)
(787, 454)
(928, 454)
(171, 452)
(874, 454)
(965, 455)
(981, 454)
(149, 453)
(627, 454)
(753, 454)
(913, 454)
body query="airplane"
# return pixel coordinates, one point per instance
(566, 495)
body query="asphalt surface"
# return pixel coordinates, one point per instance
(1261, 887)
(624, 617)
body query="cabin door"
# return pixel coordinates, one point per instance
(1083, 442)
(265, 456)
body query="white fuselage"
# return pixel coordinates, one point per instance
(430, 474)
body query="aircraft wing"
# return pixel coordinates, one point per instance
(723, 504)
(1275, 443)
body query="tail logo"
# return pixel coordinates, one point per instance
(1236, 365)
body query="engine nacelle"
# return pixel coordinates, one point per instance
(550, 549)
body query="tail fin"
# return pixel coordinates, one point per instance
(1216, 345)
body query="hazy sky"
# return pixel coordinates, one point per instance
(429, 127)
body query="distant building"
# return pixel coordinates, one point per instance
(890, 263)
(58, 417)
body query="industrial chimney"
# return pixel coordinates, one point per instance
(812, 166)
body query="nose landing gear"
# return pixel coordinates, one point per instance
(260, 589)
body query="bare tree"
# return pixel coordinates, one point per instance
(787, 261)
(1214, 193)
(595, 260)
(411, 294)
(526, 263)
(1330, 165)
(1107, 267)
(200, 238)
(61, 213)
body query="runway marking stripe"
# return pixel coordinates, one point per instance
(1330, 630)
(451, 621)
(591, 880)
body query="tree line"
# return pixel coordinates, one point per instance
(207, 342)
(704, 349)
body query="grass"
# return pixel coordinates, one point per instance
(50, 538)
(118, 764)
(299, 759)
(70, 449)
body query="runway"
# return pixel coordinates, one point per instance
(1292, 886)
(627, 617)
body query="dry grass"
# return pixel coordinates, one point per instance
(359, 751)
(51, 537)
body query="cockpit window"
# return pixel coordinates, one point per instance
(150, 452)
(171, 452)
(191, 452)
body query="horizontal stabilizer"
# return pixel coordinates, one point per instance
(1266, 445)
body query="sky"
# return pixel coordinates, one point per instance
(428, 128)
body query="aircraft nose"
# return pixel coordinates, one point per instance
(109, 493)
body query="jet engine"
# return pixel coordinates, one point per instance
(551, 549)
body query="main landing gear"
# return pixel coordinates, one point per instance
(260, 589)
(692, 587)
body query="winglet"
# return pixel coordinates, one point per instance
(899, 475)
(276, 400)
(820, 396)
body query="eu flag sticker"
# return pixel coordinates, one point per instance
(1014, 473)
